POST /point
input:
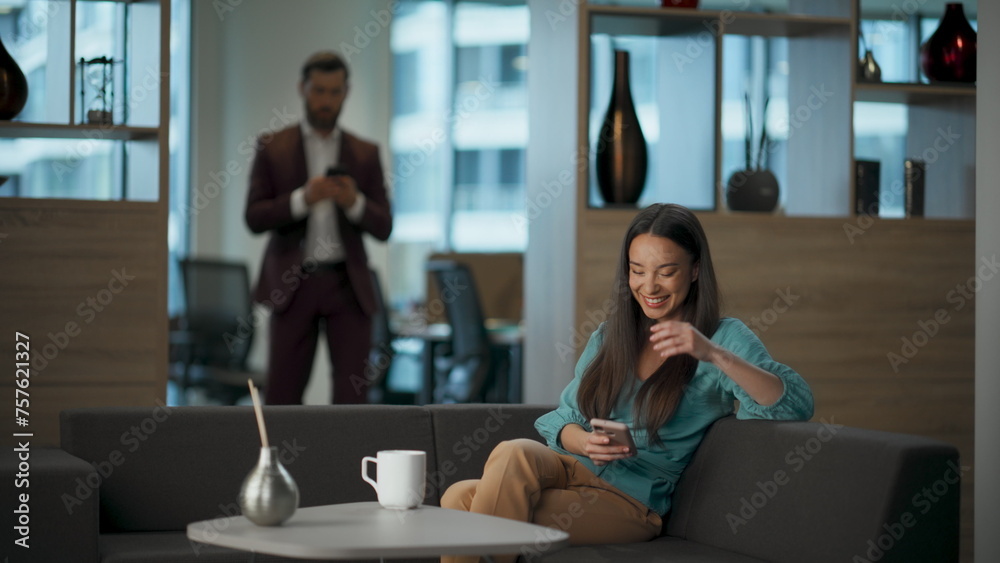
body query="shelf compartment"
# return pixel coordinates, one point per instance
(18, 129)
(618, 20)
(910, 93)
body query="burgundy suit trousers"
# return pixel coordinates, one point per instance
(324, 300)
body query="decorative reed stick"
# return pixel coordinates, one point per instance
(761, 152)
(260, 414)
(748, 140)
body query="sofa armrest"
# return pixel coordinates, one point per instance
(820, 492)
(55, 501)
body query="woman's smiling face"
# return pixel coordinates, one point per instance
(660, 276)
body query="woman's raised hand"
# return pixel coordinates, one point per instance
(671, 338)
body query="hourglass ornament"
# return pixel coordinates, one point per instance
(97, 93)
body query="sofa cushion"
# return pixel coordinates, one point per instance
(797, 491)
(666, 549)
(165, 467)
(464, 436)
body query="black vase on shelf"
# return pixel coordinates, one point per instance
(949, 55)
(755, 188)
(621, 155)
(13, 86)
(752, 190)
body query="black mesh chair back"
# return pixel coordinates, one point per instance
(466, 371)
(381, 354)
(218, 316)
(218, 330)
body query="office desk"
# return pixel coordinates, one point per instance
(506, 338)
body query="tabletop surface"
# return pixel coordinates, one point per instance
(366, 530)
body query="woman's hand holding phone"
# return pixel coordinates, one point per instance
(609, 441)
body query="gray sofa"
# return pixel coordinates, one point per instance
(127, 481)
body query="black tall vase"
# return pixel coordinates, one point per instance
(621, 156)
(13, 86)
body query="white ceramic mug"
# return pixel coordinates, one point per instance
(401, 477)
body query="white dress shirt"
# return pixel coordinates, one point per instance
(322, 242)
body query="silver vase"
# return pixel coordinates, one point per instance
(269, 495)
(868, 69)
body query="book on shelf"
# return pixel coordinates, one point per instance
(913, 179)
(867, 182)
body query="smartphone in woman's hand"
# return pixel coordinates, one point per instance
(617, 432)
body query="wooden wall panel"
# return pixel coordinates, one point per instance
(854, 304)
(87, 282)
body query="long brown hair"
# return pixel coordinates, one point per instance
(627, 327)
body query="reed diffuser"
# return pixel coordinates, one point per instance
(269, 495)
(755, 188)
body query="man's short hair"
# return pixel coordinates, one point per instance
(324, 61)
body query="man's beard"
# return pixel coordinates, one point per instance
(323, 121)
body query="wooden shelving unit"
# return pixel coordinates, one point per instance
(19, 130)
(112, 349)
(912, 94)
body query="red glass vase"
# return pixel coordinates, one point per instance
(950, 53)
(13, 86)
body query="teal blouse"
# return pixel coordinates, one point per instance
(650, 476)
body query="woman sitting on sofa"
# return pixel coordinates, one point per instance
(664, 363)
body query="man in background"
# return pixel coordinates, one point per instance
(317, 188)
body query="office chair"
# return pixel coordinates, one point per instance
(465, 373)
(218, 328)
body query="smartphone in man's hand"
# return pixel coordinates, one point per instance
(337, 171)
(618, 432)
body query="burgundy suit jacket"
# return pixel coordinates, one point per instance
(279, 167)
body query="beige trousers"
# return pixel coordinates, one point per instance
(527, 481)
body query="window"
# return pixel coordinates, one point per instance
(459, 134)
